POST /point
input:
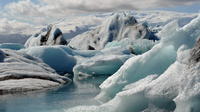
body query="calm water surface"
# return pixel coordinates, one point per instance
(57, 100)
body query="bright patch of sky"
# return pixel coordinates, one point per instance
(5, 2)
(194, 8)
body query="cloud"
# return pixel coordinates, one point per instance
(66, 25)
(46, 11)
(15, 27)
(110, 5)
(26, 11)
(25, 7)
(60, 8)
(71, 24)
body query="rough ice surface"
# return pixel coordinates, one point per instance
(175, 85)
(54, 56)
(117, 27)
(155, 61)
(21, 72)
(12, 46)
(26, 84)
(47, 36)
(177, 89)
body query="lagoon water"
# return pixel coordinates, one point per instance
(56, 100)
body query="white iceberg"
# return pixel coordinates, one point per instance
(175, 88)
(99, 65)
(155, 61)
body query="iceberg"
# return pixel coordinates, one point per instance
(21, 72)
(99, 65)
(145, 75)
(67, 60)
(108, 60)
(176, 87)
(54, 56)
(47, 36)
(155, 61)
(117, 27)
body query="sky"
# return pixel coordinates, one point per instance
(193, 8)
(39, 12)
